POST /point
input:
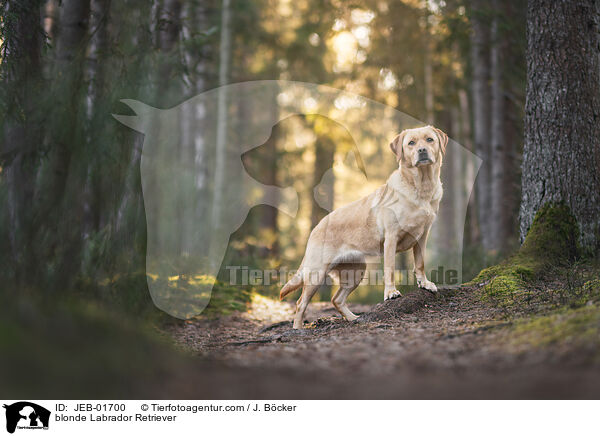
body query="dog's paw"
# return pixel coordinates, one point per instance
(351, 317)
(426, 284)
(392, 294)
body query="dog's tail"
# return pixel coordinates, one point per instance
(294, 283)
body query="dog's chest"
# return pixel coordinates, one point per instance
(414, 214)
(404, 213)
(413, 221)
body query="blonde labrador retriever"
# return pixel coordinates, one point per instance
(396, 217)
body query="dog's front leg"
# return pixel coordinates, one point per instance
(389, 260)
(419, 256)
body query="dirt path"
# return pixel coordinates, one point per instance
(447, 346)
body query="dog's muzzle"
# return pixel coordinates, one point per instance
(423, 157)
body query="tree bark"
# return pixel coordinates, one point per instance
(561, 159)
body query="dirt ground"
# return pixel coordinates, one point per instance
(450, 345)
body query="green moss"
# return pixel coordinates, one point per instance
(228, 298)
(579, 326)
(129, 293)
(592, 287)
(588, 293)
(550, 242)
(553, 235)
(505, 289)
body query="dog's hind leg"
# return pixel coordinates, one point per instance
(312, 282)
(350, 277)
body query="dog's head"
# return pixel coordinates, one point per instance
(420, 146)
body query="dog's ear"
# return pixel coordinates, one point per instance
(396, 146)
(443, 138)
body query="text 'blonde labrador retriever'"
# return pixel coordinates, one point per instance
(397, 216)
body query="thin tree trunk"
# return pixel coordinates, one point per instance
(187, 126)
(481, 120)
(428, 75)
(131, 198)
(50, 18)
(99, 45)
(561, 159)
(473, 227)
(169, 26)
(169, 89)
(203, 72)
(221, 146)
(457, 180)
(511, 177)
(498, 206)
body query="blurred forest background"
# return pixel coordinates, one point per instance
(515, 82)
(74, 219)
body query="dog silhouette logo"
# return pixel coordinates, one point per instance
(26, 415)
(197, 191)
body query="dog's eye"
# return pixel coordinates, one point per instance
(411, 142)
(429, 139)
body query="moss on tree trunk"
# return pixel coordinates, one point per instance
(552, 241)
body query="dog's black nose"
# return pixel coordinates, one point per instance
(422, 151)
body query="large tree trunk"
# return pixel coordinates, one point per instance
(481, 118)
(561, 159)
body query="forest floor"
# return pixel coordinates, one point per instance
(455, 344)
